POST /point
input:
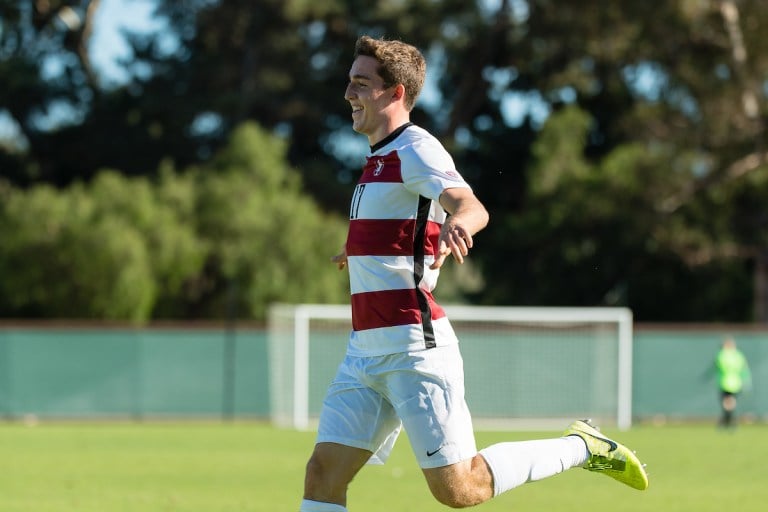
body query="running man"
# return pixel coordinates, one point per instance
(410, 210)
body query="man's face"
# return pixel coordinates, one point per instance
(368, 97)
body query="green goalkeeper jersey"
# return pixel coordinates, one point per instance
(732, 370)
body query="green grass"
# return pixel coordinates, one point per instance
(250, 467)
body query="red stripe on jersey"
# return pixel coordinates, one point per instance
(370, 237)
(382, 169)
(437, 311)
(430, 240)
(388, 237)
(388, 308)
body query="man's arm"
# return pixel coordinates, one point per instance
(467, 217)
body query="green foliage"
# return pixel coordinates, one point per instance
(61, 258)
(559, 152)
(223, 239)
(269, 241)
(175, 252)
(606, 229)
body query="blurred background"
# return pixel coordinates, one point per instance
(192, 161)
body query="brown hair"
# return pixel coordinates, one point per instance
(399, 63)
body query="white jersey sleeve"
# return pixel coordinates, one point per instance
(427, 169)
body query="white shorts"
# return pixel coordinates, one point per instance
(371, 398)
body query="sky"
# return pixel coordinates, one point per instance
(108, 44)
(107, 47)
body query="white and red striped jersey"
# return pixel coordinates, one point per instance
(395, 219)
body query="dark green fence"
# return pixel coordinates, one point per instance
(193, 372)
(135, 373)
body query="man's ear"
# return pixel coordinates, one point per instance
(399, 92)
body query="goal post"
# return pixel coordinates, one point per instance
(525, 367)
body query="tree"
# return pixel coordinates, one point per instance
(269, 242)
(162, 212)
(589, 233)
(671, 92)
(60, 259)
(676, 103)
(221, 240)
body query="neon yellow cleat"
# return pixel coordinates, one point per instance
(609, 457)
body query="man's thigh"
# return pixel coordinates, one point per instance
(427, 391)
(356, 415)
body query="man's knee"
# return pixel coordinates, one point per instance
(456, 497)
(448, 497)
(462, 485)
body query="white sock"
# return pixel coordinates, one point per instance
(513, 464)
(319, 506)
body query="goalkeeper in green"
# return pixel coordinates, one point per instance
(733, 377)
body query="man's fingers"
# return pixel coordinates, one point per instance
(455, 242)
(460, 246)
(439, 260)
(340, 260)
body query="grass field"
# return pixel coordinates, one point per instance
(251, 467)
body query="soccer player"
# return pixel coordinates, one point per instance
(410, 210)
(733, 376)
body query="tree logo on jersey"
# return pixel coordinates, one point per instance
(379, 167)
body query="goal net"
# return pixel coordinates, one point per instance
(525, 367)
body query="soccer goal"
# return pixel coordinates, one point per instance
(525, 367)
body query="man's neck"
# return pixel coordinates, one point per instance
(389, 138)
(388, 127)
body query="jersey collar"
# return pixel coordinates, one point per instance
(389, 138)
